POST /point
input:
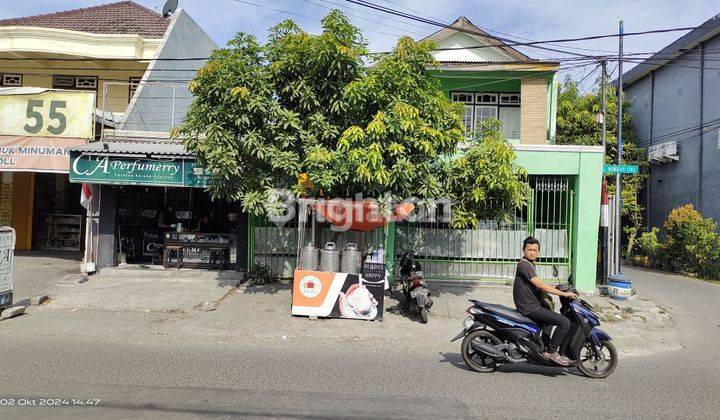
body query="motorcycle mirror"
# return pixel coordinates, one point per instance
(555, 271)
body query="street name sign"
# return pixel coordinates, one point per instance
(621, 169)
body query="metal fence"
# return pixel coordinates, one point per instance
(491, 251)
(277, 246)
(487, 253)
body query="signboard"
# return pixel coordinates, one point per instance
(621, 169)
(36, 154)
(7, 250)
(119, 170)
(49, 113)
(338, 295)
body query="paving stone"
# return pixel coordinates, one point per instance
(11, 312)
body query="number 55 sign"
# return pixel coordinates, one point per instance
(48, 114)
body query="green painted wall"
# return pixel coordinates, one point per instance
(586, 170)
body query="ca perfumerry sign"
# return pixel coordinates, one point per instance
(119, 170)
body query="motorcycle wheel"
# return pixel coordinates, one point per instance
(593, 367)
(475, 360)
(423, 315)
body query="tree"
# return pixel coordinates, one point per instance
(576, 124)
(304, 113)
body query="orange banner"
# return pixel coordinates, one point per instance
(36, 154)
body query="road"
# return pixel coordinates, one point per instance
(145, 377)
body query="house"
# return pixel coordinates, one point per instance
(133, 62)
(493, 80)
(675, 107)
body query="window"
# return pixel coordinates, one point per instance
(60, 81)
(486, 98)
(482, 106)
(11, 80)
(133, 85)
(484, 113)
(74, 82)
(509, 99)
(462, 97)
(86, 82)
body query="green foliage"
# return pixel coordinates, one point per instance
(649, 248)
(304, 113)
(261, 273)
(576, 124)
(691, 243)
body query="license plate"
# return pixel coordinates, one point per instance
(468, 323)
(417, 292)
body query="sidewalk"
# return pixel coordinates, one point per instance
(190, 304)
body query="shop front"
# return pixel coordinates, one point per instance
(37, 126)
(150, 206)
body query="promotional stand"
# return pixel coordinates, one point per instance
(348, 283)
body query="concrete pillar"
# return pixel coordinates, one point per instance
(586, 221)
(106, 251)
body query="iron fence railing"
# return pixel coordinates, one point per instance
(486, 253)
(490, 251)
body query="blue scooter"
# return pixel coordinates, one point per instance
(496, 335)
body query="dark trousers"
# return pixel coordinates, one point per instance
(544, 316)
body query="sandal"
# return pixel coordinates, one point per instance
(556, 358)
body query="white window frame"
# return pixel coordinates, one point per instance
(510, 99)
(8, 77)
(486, 98)
(481, 100)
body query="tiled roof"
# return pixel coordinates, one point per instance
(124, 17)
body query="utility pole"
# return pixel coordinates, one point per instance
(618, 198)
(604, 252)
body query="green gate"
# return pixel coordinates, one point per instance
(490, 252)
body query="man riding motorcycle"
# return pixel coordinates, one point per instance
(528, 291)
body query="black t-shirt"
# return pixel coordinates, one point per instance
(525, 294)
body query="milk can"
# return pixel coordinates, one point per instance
(309, 256)
(329, 258)
(351, 259)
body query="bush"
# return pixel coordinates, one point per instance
(692, 244)
(648, 249)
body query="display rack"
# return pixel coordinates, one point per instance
(64, 232)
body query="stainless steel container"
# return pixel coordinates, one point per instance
(330, 258)
(350, 262)
(309, 257)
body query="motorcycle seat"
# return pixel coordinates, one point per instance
(504, 311)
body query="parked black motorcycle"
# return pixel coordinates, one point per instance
(496, 334)
(417, 296)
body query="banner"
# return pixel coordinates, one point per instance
(337, 295)
(36, 154)
(7, 251)
(52, 113)
(120, 170)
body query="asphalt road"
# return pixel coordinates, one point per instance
(136, 378)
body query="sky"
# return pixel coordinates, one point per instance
(529, 19)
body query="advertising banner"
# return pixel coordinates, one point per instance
(36, 154)
(7, 250)
(47, 113)
(337, 295)
(120, 170)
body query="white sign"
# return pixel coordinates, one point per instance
(53, 113)
(7, 249)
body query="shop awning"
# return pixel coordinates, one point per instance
(150, 162)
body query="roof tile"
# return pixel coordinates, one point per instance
(124, 17)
